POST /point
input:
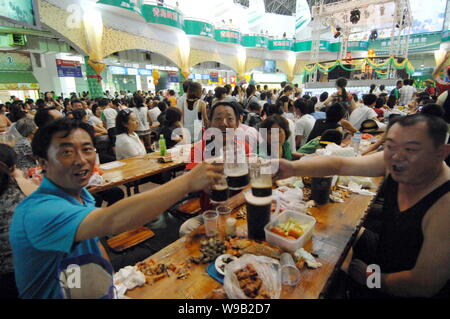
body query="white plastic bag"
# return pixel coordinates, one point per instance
(268, 270)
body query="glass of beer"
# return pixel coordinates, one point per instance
(258, 215)
(219, 191)
(261, 177)
(237, 175)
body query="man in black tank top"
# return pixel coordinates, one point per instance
(411, 253)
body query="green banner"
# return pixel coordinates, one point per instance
(302, 46)
(162, 15)
(417, 43)
(132, 5)
(228, 36)
(280, 45)
(200, 28)
(445, 36)
(358, 46)
(255, 41)
(15, 61)
(19, 10)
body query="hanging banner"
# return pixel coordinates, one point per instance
(227, 36)
(145, 72)
(15, 61)
(162, 15)
(214, 77)
(199, 28)
(18, 10)
(173, 76)
(280, 45)
(68, 69)
(302, 15)
(358, 46)
(132, 5)
(417, 43)
(256, 12)
(255, 41)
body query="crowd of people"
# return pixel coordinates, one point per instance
(48, 218)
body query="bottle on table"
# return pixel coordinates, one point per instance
(162, 145)
(356, 141)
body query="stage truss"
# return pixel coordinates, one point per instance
(392, 16)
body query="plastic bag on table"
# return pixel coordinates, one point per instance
(268, 270)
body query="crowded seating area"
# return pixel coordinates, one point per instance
(231, 191)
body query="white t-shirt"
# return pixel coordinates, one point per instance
(94, 120)
(154, 113)
(128, 146)
(406, 94)
(292, 137)
(141, 114)
(361, 114)
(304, 126)
(110, 116)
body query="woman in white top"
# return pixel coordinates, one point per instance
(194, 116)
(128, 143)
(141, 111)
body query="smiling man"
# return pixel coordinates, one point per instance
(60, 219)
(412, 248)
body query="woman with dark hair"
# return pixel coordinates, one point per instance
(372, 88)
(284, 147)
(172, 98)
(220, 94)
(379, 105)
(194, 116)
(171, 123)
(81, 115)
(128, 143)
(251, 95)
(143, 130)
(343, 97)
(14, 187)
(285, 99)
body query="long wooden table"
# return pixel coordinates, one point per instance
(335, 230)
(135, 168)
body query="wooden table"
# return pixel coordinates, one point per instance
(335, 230)
(134, 169)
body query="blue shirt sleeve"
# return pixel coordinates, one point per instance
(52, 224)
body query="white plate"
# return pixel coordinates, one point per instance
(220, 261)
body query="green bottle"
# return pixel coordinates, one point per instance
(162, 145)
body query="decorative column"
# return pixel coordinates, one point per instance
(94, 79)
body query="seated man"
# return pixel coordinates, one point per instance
(59, 220)
(412, 248)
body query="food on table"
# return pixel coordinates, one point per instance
(240, 246)
(307, 181)
(222, 261)
(217, 294)
(154, 271)
(366, 136)
(292, 229)
(242, 213)
(306, 193)
(262, 250)
(250, 283)
(210, 249)
(183, 271)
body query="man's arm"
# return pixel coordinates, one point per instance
(432, 270)
(371, 166)
(140, 209)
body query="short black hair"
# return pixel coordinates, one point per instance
(173, 115)
(436, 126)
(42, 116)
(94, 108)
(332, 135)
(380, 102)
(263, 96)
(335, 112)
(254, 106)
(323, 97)
(369, 99)
(273, 109)
(186, 85)
(79, 114)
(40, 103)
(221, 103)
(433, 109)
(219, 91)
(276, 119)
(103, 102)
(303, 106)
(162, 106)
(43, 137)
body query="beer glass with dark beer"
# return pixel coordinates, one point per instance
(258, 215)
(260, 177)
(219, 191)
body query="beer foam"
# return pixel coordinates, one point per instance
(262, 184)
(257, 201)
(236, 172)
(220, 187)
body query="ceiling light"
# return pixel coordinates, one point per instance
(355, 15)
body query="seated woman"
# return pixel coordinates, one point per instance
(328, 137)
(25, 160)
(334, 113)
(81, 115)
(284, 148)
(14, 187)
(171, 123)
(128, 143)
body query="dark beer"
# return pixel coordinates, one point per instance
(261, 189)
(219, 193)
(321, 189)
(258, 215)
(238, 178)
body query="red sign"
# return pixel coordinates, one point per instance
(60, 62)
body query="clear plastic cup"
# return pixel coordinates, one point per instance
(210, 219)
(290, 275)
(223, 210)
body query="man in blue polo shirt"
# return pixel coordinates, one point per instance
(60, 219)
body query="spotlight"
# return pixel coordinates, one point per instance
(355, 15)
(337, 34)
(373, 35)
